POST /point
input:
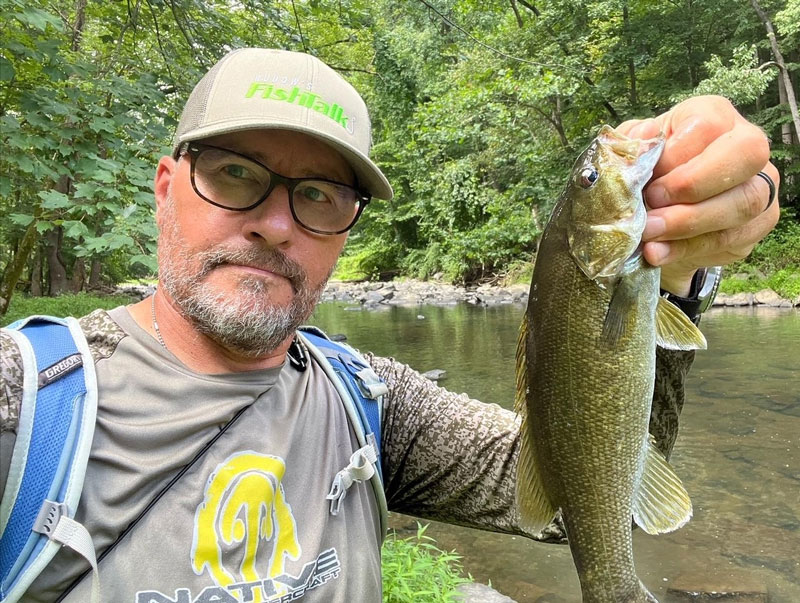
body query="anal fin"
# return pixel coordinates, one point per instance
(661, 503)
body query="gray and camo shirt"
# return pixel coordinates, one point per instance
(249, 522)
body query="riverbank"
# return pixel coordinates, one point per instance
(382, 295)
(375, 295)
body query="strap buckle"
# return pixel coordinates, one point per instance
(361, 468)
(49, 516)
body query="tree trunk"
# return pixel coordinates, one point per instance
(36, 273)
(95, 273)
(80, 22)
(785, 76)
(56, 270)
(786, 128)
(631, 64)
(78, 275)
(16, 266)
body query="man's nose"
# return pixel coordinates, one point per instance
(272, 220)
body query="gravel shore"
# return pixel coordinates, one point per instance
(376, 295)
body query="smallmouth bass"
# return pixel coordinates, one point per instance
(586, 371)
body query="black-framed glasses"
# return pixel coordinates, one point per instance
(237, 182)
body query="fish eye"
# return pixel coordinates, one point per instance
(587, 177)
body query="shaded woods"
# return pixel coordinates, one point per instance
(478, 109)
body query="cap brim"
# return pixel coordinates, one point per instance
(369, 176)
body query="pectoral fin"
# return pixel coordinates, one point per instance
(534, 508)
(619, 314)
(661, 503)
(674, 330)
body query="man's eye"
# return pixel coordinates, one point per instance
(236, 171)
(312, 193)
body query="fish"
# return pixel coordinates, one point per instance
(585, 371)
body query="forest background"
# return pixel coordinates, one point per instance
(479, 109)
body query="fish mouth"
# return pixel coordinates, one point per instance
(638, 156)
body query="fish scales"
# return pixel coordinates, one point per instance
(589, 343)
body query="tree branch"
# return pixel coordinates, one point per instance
(608, 106)
(299, 29)
(787, 80)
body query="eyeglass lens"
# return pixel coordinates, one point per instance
(235, 182)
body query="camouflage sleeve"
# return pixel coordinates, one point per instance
(445, 456)
(10, 384)
(454, 459)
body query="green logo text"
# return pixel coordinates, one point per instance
(304, 98)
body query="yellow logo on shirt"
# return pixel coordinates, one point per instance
(243, 509)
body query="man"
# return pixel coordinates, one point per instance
(270, 171)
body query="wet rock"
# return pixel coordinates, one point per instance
(139, 291)
(475, 592)
(412, 292)
(767, 297)
(734, 587)
(404, 299)
(374, 297)
(519, 290)
(737, 299)
(435, 374)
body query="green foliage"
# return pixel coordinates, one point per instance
(781, 248)
(773, 264)
(77, 305)
(478, 111)
(742, 82)
(785, 282)
(787, 22)
(415, 570)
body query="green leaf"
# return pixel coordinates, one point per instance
(148, 261)
(21, 219)
(38, 19)
(42, 226)
(6, 69)
(102, 176)
(54, 200)
(75, 229)
(143, 197)
(85, 190)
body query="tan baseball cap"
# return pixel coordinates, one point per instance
(254, 88)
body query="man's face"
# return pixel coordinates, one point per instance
(246, 279)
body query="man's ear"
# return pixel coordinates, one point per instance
(161, 185)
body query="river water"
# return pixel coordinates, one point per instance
(738, 451)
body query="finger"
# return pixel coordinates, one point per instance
(691, 126)
(732, 208)
(718, 247)
(728, 161)
(639, 128)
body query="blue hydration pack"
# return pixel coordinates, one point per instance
(56, 426)
(45, 479)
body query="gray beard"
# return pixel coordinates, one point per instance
(249, 324)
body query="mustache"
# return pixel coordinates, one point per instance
(269, 259)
